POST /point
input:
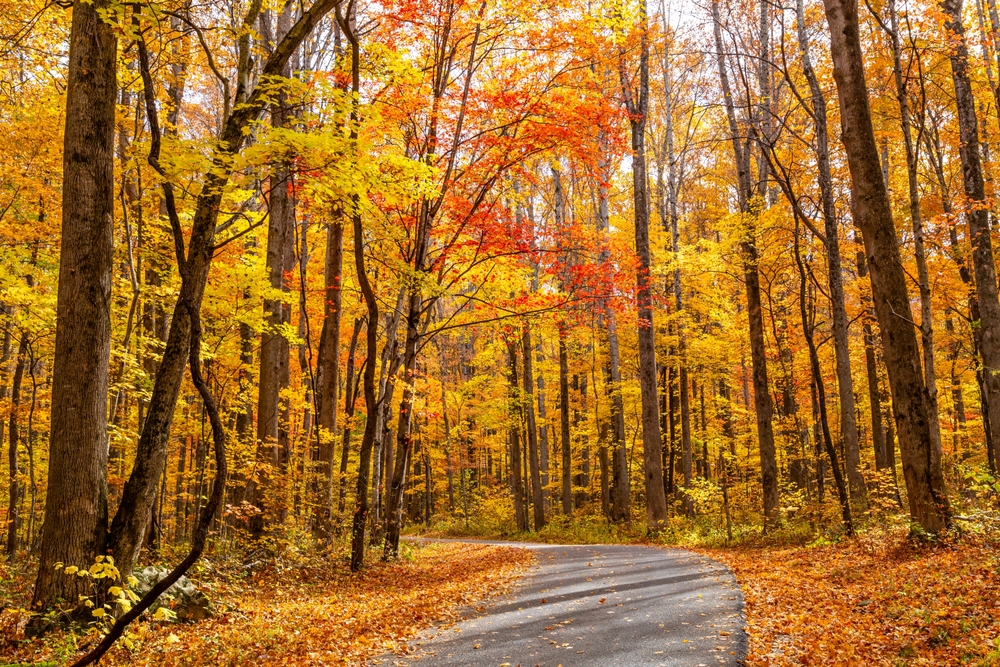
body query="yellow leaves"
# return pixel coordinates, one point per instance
(71, 569)
(164, 614)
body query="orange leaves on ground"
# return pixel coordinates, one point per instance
(874, 601)
(324, 615)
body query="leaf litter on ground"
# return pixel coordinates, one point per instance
(320, 614)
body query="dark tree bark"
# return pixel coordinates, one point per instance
(14, 428)
(350, 398)
(808, 330)
(564, 433)
(527, 350)
(977, 216)
(75, 527)
(637, 105)
(514, 438)
(328, 361)
(873, 214)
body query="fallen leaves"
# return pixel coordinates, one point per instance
(325, 615)
(867, 603)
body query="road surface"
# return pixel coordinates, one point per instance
(600, 606)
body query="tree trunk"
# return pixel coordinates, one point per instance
(567, 456)
(75, 527)
(139, 492)
(13, 517)
(845, 382)
(543, 429)
(350, 397)
(977, 216)
(670, 223)
(272, 410)
(763, 407)
(808, 330)
(871, 371)
(637, 107)
(514, 438)
(536, 479)
(328, 362)
(873, 214)
(404, 438)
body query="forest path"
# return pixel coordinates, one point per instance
(600, 605)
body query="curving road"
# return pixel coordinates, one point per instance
(600, 606)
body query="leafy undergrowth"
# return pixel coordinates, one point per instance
(583, 529)
(877, 600)
(317, 613)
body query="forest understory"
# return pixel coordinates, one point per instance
(883, 598)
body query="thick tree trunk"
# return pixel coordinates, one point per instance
(274, 446)
(76, 516)
(919, 253)
(328, 361)
(536, 479)
(873, 214)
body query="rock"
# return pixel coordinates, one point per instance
(183, 598)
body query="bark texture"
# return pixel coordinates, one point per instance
(928, 502)
(76, 516)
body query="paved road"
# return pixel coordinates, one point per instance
(601, 606)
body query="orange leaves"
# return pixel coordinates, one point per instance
(865, 605)
(321, 614)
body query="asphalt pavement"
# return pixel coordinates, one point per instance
(599, 606)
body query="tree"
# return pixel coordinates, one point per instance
(926, 492)
(637, 105)
(76, 520)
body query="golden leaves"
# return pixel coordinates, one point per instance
(890, 604)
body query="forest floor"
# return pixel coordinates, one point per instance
(880, 599)
(871, 601)
(304, 612)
